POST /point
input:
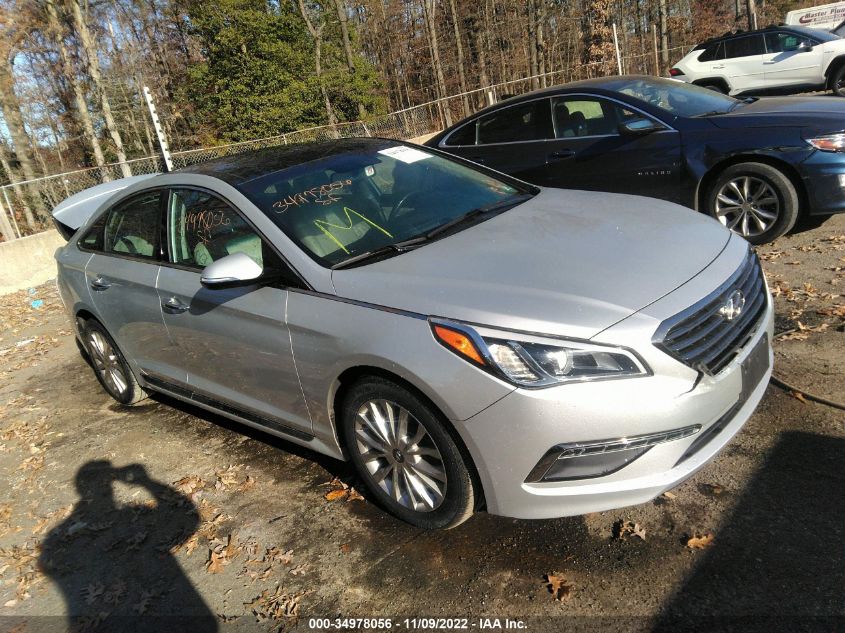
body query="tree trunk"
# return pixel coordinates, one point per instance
(429, 15)
(664, 34)
(347, 46)
(94, 71)
(533, 64)
(11, 108)
(460, 51)
(317, 35)
(81, 105)
(19, 194)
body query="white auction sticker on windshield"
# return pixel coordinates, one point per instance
(405, 154)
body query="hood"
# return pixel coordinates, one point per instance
(819, 113)
(570, 263)
(73, 212)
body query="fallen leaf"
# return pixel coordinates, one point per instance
(622, 529)
(299, 570)
(345, 548)
(798, 396)
(334, 495)
(248, 484)
(215, 563)
(191, 544)
(188, 485)
(559, 586)
(700, 542)
(669, 495)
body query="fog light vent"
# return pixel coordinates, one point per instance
(587, 460)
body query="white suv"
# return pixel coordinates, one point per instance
(777, 59)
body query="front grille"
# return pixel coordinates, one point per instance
(702, 336)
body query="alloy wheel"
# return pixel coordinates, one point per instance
(747, 205)
(106, 363)
(400, 455)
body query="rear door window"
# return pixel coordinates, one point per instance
(747, 46)
(133, 227)
(531, 121)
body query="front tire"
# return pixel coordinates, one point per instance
(754, 200)
(837, 81)
(405, 455)
(109, 365)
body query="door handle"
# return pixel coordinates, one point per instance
(99, 284)
(563, 154)
(174, 306)
(720, 67)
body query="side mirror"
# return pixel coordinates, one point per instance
(237, 269)
(639, 126)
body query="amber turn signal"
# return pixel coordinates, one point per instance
(458, 342)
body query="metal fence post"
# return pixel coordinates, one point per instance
(616, 46)
(162, 140)
(11, 212)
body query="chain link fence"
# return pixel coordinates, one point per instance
(25, 206)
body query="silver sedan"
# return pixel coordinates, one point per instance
(464, 339)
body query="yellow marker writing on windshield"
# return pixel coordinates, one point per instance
(322, 224)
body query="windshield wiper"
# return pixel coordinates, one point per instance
(498, 207)
(390, 249)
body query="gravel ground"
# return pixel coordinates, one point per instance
(163, 510)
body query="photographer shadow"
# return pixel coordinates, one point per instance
(114, 563)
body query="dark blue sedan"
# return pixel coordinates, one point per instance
(756, 165)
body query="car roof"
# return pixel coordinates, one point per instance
(798, 30)
(598, 84)
(242, 167)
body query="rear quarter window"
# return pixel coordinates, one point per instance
(92, 240)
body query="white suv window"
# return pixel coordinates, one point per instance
(782, 42)
(745, 46)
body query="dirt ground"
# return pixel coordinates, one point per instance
(169, 512)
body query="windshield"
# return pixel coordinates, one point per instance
(676, 97)
(355, 202)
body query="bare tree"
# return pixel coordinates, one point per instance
(93, 63)
(347, 46)
(429, 8)
(57, 33)
(315, 29)
(459, 48)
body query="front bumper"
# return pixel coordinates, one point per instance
(508, 439)
(823, 174)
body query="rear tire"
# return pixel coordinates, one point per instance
(715, 88)
(405, 455)
(110, 366)
(754, 200)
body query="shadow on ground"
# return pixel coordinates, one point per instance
(112, 561)
(778, 563)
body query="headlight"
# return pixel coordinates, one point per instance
(531, 361)
(829, 142)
